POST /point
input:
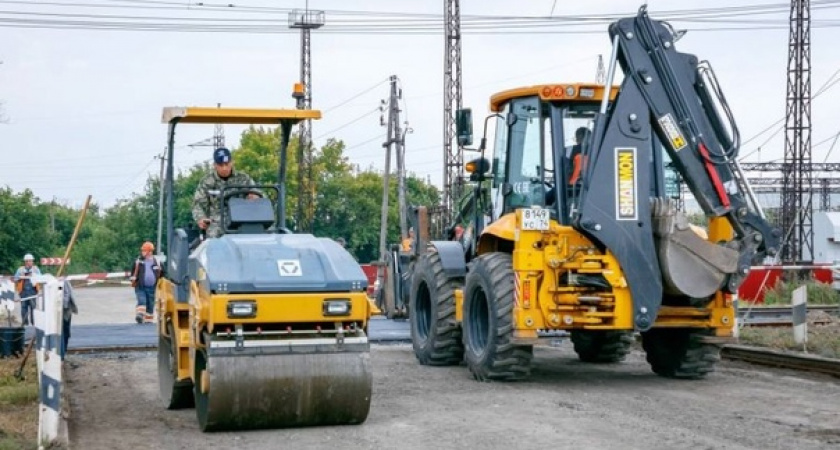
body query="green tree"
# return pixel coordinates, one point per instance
(347, 205)
(25, 224)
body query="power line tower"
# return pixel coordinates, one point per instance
(306, 21)
(219, 133)
(797, 206)
(453, 154)
(600, 72)
(825, 194)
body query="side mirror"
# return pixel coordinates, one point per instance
(511, 119)
(463, 126)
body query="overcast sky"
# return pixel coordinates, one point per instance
(84, 105)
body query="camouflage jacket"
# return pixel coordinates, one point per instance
(207, 199)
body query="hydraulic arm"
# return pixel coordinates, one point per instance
(668, 100)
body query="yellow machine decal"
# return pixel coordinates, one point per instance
(626, 207)
(675, 136)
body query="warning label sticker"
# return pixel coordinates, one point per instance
(675, 136)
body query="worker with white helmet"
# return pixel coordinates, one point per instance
(26, 288)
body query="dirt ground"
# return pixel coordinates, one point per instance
(566, 404)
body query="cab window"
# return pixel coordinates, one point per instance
(525, 157)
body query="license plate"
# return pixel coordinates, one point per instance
(535, 219)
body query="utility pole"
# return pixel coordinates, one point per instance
(453, 153)
(395, 138)
(52, 215)
(160, 201)
(306, 21)
(398, 139)
(797, 207)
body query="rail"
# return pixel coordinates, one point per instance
(781, 359)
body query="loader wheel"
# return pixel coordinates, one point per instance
(175, 394)
(488, 322)
(602, 346)
(435, 334)
(679, 352)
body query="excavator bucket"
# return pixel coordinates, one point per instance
(690, 265)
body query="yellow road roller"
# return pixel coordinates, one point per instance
(259, 327)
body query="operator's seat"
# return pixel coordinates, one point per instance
(249, 216)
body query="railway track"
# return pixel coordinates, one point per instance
(786, 360)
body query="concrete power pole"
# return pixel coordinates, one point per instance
(160, 202)
(453, 153)
(306, 21)
(395, 138)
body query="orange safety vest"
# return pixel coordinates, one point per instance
(577, 164)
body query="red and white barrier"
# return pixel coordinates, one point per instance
(94, 278)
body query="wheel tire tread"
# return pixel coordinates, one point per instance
(503, 361)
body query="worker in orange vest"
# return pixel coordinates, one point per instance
(576, 156)
(144, 279)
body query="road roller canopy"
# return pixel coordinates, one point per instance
(244, 116)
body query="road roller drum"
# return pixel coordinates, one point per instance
(280, 386)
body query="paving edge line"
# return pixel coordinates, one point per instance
(784, 359)
(150, 347)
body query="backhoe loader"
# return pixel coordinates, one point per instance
(573, 228)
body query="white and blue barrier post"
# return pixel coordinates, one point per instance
(800, 315)
(48, 316)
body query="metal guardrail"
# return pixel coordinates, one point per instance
(778, 315)
(786, 360)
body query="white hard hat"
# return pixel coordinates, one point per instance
(28, 257)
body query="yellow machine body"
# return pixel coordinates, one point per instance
(261, 328)
(542, 302)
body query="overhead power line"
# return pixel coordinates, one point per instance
(226, 18)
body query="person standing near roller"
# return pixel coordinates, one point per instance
(26, 289)
(144, 278)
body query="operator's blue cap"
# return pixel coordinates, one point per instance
(221, 155)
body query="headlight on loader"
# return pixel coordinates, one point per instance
(337, 307)
(242, 309)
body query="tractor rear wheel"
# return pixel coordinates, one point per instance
(435, 334)
(602, 346)
(680, 352)
(488, 322)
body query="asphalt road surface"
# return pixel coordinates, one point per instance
(113, 399)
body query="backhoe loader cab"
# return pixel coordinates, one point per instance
(575, 228)
(260, 327)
